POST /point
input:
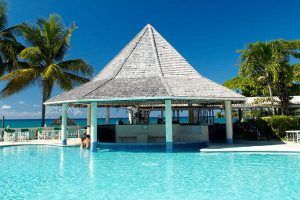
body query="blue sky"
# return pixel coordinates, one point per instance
(206, 32)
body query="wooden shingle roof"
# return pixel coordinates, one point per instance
(148, 67)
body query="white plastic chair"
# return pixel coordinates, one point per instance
(23, 135)
(42, 134)
(10, 135)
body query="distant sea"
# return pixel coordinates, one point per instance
(27, 123)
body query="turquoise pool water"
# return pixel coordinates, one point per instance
(45, 172)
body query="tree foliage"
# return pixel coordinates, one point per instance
(41, 62)
(245, 86)
(9, 46)
(265, 69)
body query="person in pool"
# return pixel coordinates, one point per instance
(86, 142)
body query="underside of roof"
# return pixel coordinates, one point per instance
(147, 68)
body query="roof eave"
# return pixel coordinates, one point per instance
(147, 98)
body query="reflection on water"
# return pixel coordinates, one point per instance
(88, 157)
(169, 177)
(91, 165)
(61, 162)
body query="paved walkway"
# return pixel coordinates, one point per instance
(70, 142)
(254, 146)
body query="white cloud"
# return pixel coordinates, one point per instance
(6, 107)
(35, 105)
(21, 102)
(21, 115)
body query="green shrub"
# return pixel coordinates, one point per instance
(254, 128)
(264, 129)
(280, 123)
(272, 127)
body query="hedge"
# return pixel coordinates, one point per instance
(267, 127)
(280, 123)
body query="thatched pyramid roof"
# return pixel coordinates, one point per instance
(147, 68)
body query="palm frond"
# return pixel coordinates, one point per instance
(30, 72)
(9, 50)
(32, 54)
(77, 66)
(11, 32)
(51, 72)
(63, 82)
(3, 15)
(33, 37)
(17, 81)
(64, 43)
(76, 80)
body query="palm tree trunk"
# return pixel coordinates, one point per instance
(272, 100)
(44, 98)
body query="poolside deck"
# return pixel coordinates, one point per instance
(253, 146)
(71, 142)
(239, 146)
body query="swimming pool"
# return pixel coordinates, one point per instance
(45, 172)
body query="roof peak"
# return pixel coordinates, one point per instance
(148, 54)
(149, 26)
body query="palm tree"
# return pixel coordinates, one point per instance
(47, 44)
(9, 46)
(256, 64)
(268, 64)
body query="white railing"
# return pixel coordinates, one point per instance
(45, 133)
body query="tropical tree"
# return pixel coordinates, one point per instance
(9, 46)
(246, 87)
(256, 66)
(265, 66)
(43, 61)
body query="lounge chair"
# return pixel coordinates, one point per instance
(57, 133)
(23, 135)
(10, 135)
(42, 134)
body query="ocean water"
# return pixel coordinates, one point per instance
(27, 123)
(44, 172)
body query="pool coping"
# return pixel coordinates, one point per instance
(241, 147)
(253, 146)
(72, 143)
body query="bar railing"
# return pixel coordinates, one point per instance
(190, 129)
